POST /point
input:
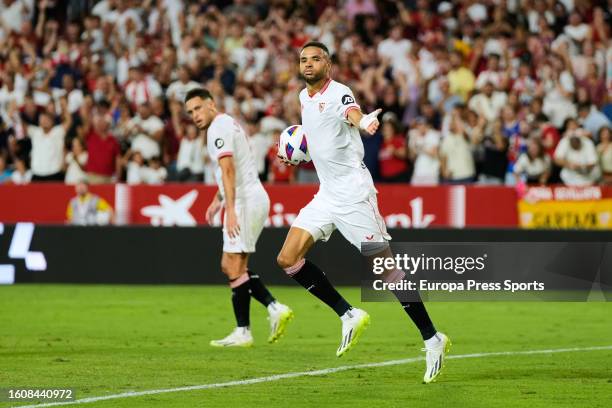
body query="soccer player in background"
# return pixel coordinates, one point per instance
(236, 176)
(346, 200)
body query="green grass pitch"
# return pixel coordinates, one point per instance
(103, 340)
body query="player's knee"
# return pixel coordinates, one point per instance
(229, 268)
(285, 260)
(290, 264)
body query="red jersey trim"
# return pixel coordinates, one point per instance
(225, 154)
(325, 86)
(350, 108)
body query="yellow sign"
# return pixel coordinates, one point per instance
(566, 214)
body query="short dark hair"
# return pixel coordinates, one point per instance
(317, 44)
(198, 93)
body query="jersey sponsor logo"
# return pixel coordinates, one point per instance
(321, 106)
(219, 143)
(369, 237)
(347, 100)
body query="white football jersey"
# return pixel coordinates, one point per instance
(225, 137)
(335, 145)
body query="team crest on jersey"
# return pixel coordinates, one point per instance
(347, 99)
(321, 106)
(219, 143)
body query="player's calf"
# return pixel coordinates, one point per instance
(314, 280)
(233, 267)
(436, 344)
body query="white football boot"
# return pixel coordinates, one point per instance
(435, 350)
(354, 322)
(279, 316)
(240, 337)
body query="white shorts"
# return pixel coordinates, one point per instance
(252, 214)
(359, 222)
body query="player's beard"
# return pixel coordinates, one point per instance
(316, 77)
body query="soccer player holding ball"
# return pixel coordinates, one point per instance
(236, 176)
(346, 200)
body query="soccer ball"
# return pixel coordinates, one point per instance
(292, 145)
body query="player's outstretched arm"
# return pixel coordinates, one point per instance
(369, 123)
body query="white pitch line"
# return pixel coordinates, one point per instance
(313, 373)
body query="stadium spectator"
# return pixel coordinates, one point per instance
(457, 164)
(29, 112)
(145, 131)
(594, 83)
(548, 133)
(141, 88)
(424, 144)
(134, 168)
(393, 154)
(103, 161)
(577, 156)
(533, 166)
(395, 48)
(460, 78)
(74, 95)
(261, 140)
(21, 174)
(190, 159)
(48, 145)
(559, 88)
(272, 120)
(155, 173)
(488, 103)
(592, 119)
(525, 85)
(493, 156)
(493, 74)
(8, 92)
(88, 208)
(75, 162)
(179, 88)
(441, 97)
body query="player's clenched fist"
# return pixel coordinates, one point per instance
(369, 122)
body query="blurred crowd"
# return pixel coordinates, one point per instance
(490, 91)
